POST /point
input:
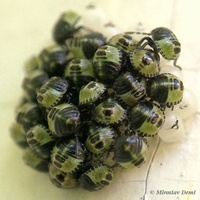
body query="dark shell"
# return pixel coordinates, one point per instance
(29, 115)
(100, 139)
(18, 135)
(84, 47)
(86, 111)
(146, 118)
(107, 63)
(79, 72)
(68, 155)
(163, 41)
(32, 64)
(167, 43)
(32, 83)
(109, 113)
(124, 41)
(62, 179)
(52, 92)
(96, 177)
(129, 89)
(167, 89)
(40, 140)
(129, 150)
(145, 61)
(34, 161)
(91, 92)
(66, 26)
(53, 60)
(64, 119)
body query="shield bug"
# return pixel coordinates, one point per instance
(64, 119)
(40, 140)
(96, 177)
(107, 63)
(68, 155)
(84, 47)
(128, 88)
(32, 64)
(18, 135)
(52, 92)
(53, 60)
(91, 92)
(79, 72)
(146, 118)
(32, 83)
(163, 41)
(66, 26)
(62, 179)
(90, 95)
(109, 112)
(129, 150)
(34, 161)
(145, 61)
(166, 42)
(29, 115)
(100, 139)
(124, 41)
(166, 88)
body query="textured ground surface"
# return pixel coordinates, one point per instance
(25, 29)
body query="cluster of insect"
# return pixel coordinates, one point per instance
(88, 98)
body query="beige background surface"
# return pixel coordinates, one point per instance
(25, 28)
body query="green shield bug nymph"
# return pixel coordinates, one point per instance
(167, 89)
(40, 140)
(146, 118)
(128, 88)
(32, 83)
(34, 161)
(62, 179)
(107, 63)
(124, 41)
(163, 41)
(68, 155)
(85, 46)
(91, 92)
(96, 177)
(29, 115)
(66, 26)
(53, 60)
(109, 112)
(79, 72)
(32, 64)
(129, 151)
(145, 61)
(100, 139)
(64, 119)
(89, 96)
(52, 92)
(18, 135)
(167, 43)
